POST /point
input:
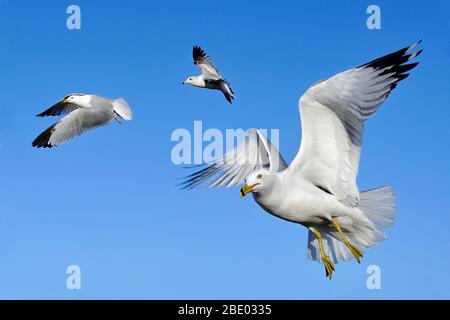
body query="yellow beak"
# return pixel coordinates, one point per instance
(64, 101)
(246, 189)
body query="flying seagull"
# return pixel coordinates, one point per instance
(318, 189)
(210, 77)
(84, 112)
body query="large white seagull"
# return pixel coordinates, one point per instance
(318, 189)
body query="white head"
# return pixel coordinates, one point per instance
(82, 100)
(258, 181)
(195, 81)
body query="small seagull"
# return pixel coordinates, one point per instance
(318, 189)
(84, 112)
(210, 77)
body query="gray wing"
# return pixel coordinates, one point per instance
(255, 152)
(70, 126)
(205, 64)
(333, 114)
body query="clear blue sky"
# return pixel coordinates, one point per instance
(107, 201)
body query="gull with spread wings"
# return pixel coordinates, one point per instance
(210, 77)
(318, 189)
(84, 112)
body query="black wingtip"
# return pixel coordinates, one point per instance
(42, 141)
(395, 65)
(418, 52)
(395, 58)
(229, 97)
(198, 52)
(58, 109)
(47, 112)
(198, 48)
(416, 44)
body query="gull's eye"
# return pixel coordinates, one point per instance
(259, 176)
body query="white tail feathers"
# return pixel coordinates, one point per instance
(379, 206)
(378, 209)
(122, 108)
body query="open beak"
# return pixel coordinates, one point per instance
(246, 189)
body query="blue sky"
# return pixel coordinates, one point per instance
(108, 201)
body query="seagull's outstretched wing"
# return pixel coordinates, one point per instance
(255, 152)
(205, 64)
(70, 126)
(333, 112)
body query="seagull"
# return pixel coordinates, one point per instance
(84, 112)
(318, 189)
(210, 77)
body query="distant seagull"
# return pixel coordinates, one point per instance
(210, 77)
(85, 112)
(318, 190)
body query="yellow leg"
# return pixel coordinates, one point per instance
(118, 121)
(329, 266)
(357, 253)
